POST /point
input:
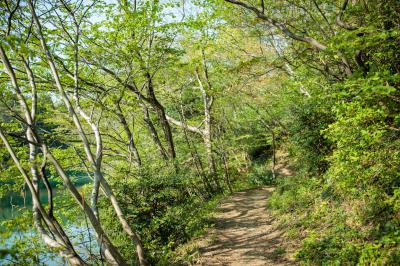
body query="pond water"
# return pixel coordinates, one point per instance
(13, 203)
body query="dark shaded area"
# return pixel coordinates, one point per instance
(260, 153)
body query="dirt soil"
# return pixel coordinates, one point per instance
(245, 233)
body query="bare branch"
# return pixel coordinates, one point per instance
(281, 26)
(339, 20)
(184, 125)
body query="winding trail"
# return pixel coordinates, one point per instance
(245, 233)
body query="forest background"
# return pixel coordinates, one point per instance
(163, 107)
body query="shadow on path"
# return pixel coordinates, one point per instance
(244, 233)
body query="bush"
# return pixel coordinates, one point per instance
(259, 176)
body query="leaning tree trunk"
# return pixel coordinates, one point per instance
(131, 145)
(153, 131)
(95, 161)
(113, 253)
(61, 241)
(161, 116)
(65, 249)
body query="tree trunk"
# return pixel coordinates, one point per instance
(273, 153)
(62, 242)
(161, 116)
(111, 252)
(226, 172)
(207, 132)
(153, 131)
(65, 248)
(131, 145)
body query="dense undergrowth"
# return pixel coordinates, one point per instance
(343, 201)
(334, 231)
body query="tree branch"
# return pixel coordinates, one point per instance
(282, 27)
(184, 125)
(339, 20)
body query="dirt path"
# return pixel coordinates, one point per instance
(245, 234)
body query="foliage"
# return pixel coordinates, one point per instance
(175, 103)
(351, 216)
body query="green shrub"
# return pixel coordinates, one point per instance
(260, 176)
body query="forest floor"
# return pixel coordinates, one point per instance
(245, 233)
